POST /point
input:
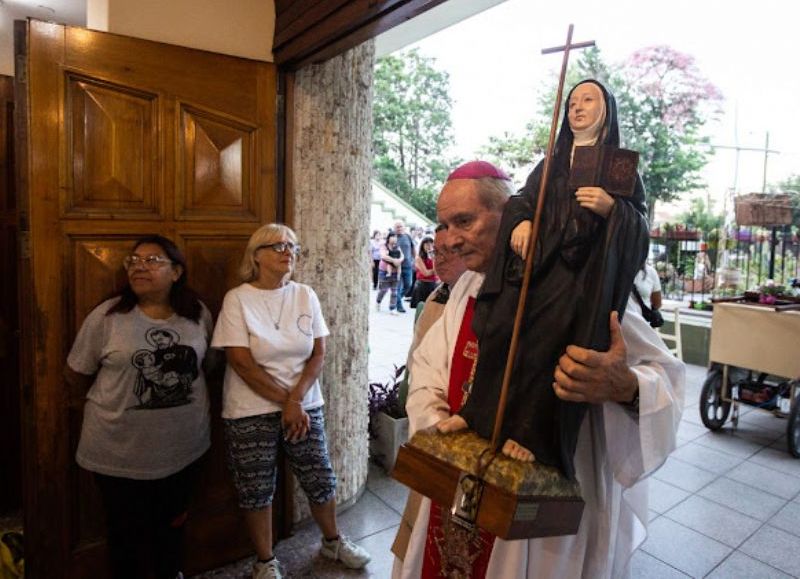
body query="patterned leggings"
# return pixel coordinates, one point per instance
(252, 456)
(388, 282)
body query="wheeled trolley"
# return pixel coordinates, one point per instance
(755, 360)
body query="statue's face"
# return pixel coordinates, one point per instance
(585, 106)
(471, 227)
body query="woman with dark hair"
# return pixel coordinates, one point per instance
(389, 274)
(146, 420)
(426, 274)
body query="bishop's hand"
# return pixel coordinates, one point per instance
(520, 237)
(453, 423)
(585, 375)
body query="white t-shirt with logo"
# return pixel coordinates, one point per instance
(146, 414)
(248, 319)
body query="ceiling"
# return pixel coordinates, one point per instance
(62, 11)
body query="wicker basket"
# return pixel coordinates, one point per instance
(764, 209)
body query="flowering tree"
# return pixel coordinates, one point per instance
(664, 104)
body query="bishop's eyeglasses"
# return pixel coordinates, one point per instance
(148, 261)
(281, 247)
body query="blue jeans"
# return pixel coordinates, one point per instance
(403, 286)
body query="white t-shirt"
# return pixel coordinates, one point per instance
(247, 320)
(146, 414)
(647, 282)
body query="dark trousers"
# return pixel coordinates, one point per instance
(145, 523)
(375, 268)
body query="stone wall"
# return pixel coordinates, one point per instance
(330, 200)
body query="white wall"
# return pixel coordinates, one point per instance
(237, 27)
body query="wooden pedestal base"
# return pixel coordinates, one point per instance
(519, 500)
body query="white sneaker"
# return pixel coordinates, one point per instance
(346, 551)
(394, 313)
(377, 306)
(269, 570)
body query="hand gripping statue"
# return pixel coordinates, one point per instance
(590, 246)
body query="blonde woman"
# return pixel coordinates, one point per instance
(273, 333)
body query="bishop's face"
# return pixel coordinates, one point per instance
(471, 227)
(586, 104)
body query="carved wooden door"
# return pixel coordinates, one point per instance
(128, 137)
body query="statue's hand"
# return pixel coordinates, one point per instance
(452, 424)
(518, 452)
(595, 199)
(520, 238)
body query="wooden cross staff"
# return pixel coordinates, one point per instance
(526, 279)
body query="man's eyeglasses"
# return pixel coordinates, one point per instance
(148, 261)
(282, 247)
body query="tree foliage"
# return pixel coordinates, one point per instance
(663, 103)
(792, 186)
(412, 128)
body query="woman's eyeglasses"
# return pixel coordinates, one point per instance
(282, 247)
(148, 261)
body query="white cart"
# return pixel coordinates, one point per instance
(751, 346)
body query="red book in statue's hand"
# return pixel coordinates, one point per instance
(611, 168)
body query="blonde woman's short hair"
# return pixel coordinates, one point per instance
(264, 235)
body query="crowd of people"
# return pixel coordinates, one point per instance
(402, 265)
(595, 394)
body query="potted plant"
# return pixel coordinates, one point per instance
(388, 423)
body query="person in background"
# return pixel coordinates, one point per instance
(449, 267)
(426, 274)
(273, 333)
(146, 420)
(405, 282)
(375, 243)
(389, 274)
(649, 286)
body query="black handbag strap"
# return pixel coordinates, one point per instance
(647, 313)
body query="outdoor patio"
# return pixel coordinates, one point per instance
(725, 504)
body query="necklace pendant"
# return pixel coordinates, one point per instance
(277, 327)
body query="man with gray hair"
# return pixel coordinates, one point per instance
(618, 445)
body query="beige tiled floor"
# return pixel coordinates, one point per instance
(725, 505)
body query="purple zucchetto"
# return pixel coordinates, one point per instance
(477, 170)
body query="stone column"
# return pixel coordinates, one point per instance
(330, 201)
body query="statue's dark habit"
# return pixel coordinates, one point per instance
(583, 270)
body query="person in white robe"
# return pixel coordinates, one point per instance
(619, 445)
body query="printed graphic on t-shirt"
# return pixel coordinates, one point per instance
(166, 372)
(304, 324)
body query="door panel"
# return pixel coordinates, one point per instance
(112, 155)
(130, 137)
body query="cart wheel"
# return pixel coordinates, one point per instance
(793, 430)
(713, 409)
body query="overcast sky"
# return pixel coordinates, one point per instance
(748, 49)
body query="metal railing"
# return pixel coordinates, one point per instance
(694, 268)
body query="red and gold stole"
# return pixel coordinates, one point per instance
(451, 550)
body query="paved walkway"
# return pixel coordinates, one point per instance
(725, 505)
